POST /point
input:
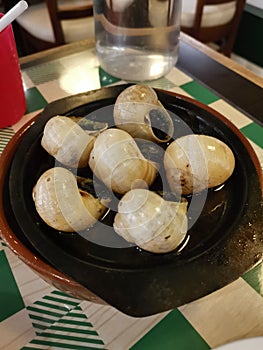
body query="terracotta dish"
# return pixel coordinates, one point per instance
(223, 243)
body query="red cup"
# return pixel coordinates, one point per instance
(12, 96)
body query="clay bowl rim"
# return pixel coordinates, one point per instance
(42, 268)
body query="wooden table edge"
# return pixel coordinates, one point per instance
(225, 61)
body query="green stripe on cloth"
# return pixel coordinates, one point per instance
(73, 330)
(10, 297)
(41, 319)
(51, 344)
(39, 326)
(44, 312)
(254, 132)
(61, 300)
(199, 92)
(71, 337)
(255, 278)
(53, 306)
(75, 314)
(5, 136)
(171, 333)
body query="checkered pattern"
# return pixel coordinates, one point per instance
(35, 316)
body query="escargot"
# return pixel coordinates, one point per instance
(138, 111)
(117, 161)
(61, 204)
(196, 162)
(66, 141)
(149, 221)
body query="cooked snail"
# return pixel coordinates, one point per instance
(62, 205)
(196, 162)
(138, 111)
(117, 161)
(149, 221)
(66, 141)
(127, 166)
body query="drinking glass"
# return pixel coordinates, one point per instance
(137, 40)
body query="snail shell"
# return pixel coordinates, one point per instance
(149, 221)
(66, 141)
(196, 162)
(117, 161)
(138, 111)
(62, 205)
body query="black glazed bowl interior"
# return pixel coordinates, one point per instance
(225, 242)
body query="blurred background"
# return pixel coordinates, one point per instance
(38, 21)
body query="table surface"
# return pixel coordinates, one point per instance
(34, 315)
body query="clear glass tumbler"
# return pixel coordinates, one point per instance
(137, 40)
